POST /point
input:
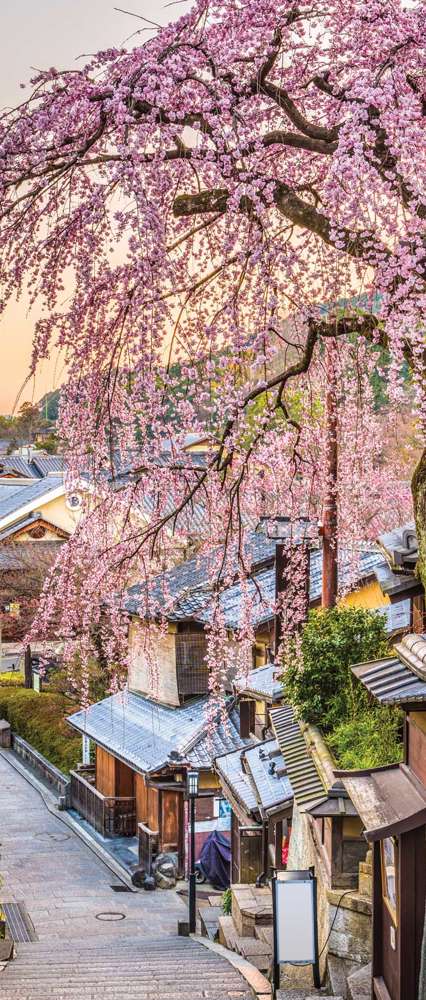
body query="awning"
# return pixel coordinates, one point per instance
(390, 800)
(336, 803)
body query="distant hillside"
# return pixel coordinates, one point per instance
(49, 405)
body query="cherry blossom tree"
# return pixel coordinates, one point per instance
(200, 216)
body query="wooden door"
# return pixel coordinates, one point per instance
(153, 809)
(124, 780)
(251, 854)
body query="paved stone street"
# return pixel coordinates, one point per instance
(133, 953)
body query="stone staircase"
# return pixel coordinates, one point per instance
(134, 968)
(248, 930)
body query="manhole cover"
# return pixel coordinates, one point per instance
(110, 915)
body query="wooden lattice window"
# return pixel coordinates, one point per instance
(191, 667)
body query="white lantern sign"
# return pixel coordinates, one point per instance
(295, 921)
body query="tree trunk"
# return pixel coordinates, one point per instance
(329, 521)
(418, 488)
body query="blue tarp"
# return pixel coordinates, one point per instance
(215, 860)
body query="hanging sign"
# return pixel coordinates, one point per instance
(294, 895)
(86, 750)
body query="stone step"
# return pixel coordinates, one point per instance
(135, 992)
(209, 920)
(303, 995)
(227, 933)
(338, 972)
(265, 934)
(359, 984)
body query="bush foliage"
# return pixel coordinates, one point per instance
(11, 678)
(371, 740)
(319, 683)
(40, 719)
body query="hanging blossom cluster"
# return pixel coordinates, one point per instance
(195, 218)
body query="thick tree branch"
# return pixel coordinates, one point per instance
(288, 203)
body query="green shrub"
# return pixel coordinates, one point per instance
(11, 678)
(227, 902)
(373, 739)
(40, 719)
(319, 682)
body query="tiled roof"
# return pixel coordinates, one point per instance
(256, 777)
(389, 800)
(268, 772)
(262, 681)
(12, 498)
(391, 682)
(304, 778)
(229, 767)
(47, 465)
(15, 463)
(189, 596)
(400, 547)
(394, 584)
(24, 522)
(144, 733)
(223, 739)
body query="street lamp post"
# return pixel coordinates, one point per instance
(192, 792)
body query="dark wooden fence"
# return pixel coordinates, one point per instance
(111, 816)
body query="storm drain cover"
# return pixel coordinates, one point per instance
(110, 915)
(19, 922)
(58, 838)
(120, 888)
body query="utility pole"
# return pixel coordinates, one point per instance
(329, 522)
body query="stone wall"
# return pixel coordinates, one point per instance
(302, 855)
(47, 771)
(344, 915)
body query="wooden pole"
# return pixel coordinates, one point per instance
(28, 674)
(329, 526)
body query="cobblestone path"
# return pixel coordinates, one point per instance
(92, 942)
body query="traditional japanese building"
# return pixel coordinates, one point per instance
(143, 749)
(397, 577)
(391, 802)
(256, 784)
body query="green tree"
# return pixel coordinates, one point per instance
(317, 679)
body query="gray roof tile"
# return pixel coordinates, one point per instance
(268, 773)
(305, 780)
(189, 595)
(143, 733)
(391, 682)
(262, 681)
(15, 463)
(12, 498)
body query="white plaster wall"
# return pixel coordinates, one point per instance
(152, 666)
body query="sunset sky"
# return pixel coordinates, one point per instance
(44, 33)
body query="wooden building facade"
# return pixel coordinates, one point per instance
(392, 804)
